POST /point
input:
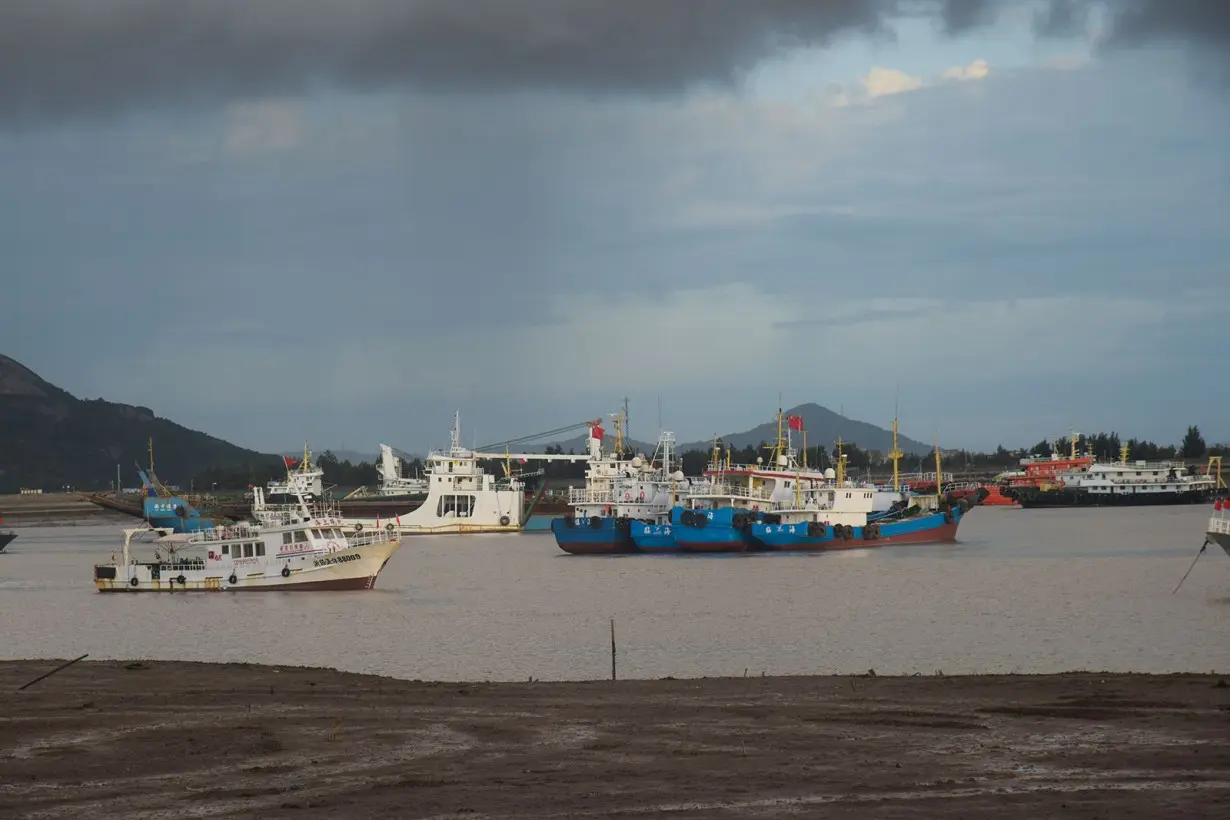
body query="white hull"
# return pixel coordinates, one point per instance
(1219, 532)
(354, 567)
(488, 511)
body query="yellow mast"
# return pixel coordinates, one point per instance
(841, 464)
(1123, 454)
(1072, 439)
(895, 454)
(804, 449)
(618, 420)
(716, 463)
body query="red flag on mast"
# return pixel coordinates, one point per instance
(290, 462)
(597, 432)
(796, 422)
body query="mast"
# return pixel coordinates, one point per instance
(939, 474)
(895, 454)
(1072, 439)
(841, 464)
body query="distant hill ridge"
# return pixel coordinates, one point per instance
(823, 428)
(51, 439)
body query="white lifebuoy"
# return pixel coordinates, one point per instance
(642, 496)
(627, 496)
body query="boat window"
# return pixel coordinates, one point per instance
(300, 535)
(317, 535)
(287, 537)
(260, 547)
(226, 549)
(247, 550)
(455, 506)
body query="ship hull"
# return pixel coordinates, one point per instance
(1030, 498)
(655, 538)
(580, 536)
(6, 538)
(1221, 539)
(933, 528)
(996, 498)
(354, 568)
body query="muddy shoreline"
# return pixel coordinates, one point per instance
(156, 739)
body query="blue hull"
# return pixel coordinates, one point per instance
(164, 514)
(722, 530)
(654, 538)
(581, 536)
(921, 529)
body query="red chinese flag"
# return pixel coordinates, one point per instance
(290, 462)
(796, 422)
(597, 432)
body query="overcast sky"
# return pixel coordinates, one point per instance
(275, 220)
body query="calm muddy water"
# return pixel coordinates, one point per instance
(1023, 591)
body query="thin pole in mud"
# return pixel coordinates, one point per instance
(612, 649)
(53, 671)
(1203, 547)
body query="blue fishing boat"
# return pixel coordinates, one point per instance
(621, 494)
(842, 518)
(165, 510)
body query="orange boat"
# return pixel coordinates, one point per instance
(1037, 471)
(996, 498)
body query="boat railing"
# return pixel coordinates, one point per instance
(367, 537)
(725, 489)
(584, 495)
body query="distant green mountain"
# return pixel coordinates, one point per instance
(50, 439)
(823, 427)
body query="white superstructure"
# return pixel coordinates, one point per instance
(461, 497)
(638, 488)
(300, 547)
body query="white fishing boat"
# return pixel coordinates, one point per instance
(290, 547)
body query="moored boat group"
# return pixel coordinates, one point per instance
(643, 505)
(293, 536)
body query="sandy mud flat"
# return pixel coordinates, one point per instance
(154, 739)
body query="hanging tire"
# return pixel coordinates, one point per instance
(594, 522)
(179, 579)
(180, 511)
(686, 518)
(358, 527)
(232, 580)
(132, 582)
(947, 516)
(570, 521)
(505, 520)
(285, 571)
(389, 527)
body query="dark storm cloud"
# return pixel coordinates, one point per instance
(70, 58)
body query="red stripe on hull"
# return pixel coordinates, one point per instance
(946, 533)
(335, 585)
(596, 549)
(711, 546)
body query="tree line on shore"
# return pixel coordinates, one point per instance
(1104, 446)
